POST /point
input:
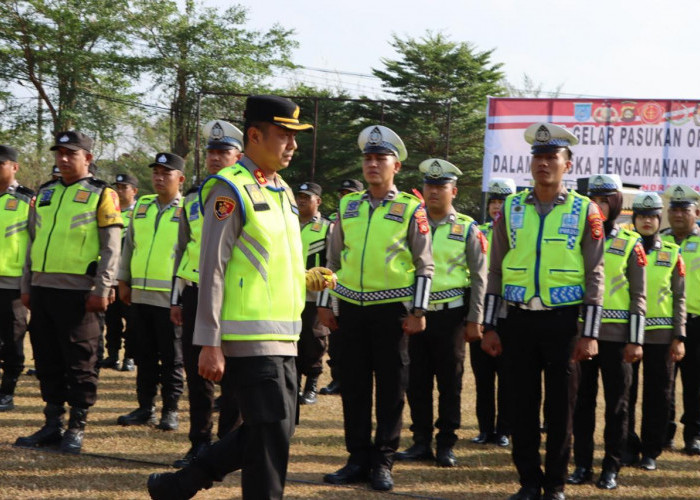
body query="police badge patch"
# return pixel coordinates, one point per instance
(396, 211)
(141, 212)
(194, 211)
(352, 210)
(663, 258)
(691, 246)
(569, 224)
(456, 232)
(617, 247)
(257, 197)
(82, 196)
(224, 207)
(46, 197)
(11, 204)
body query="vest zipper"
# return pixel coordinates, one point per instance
(364, 247)
(150, 248)
(537, 259)
(48, 241)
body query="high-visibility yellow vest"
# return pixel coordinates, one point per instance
(154, 244)
(451, 275)
(545, 257)
(662, 261)
(189, 264)
(690, 249)
(313, 240)
(264, 291)
(616, 300)
(126, 218)
(14, 212)
(66, 238)
(376, 263)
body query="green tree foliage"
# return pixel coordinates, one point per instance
(445, 85)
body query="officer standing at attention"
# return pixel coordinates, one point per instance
(683, 214)
(15, 201)
(313, 340)
(251, 276)
(454, 315)
(381, 251)
(547, 264)
(127, 187)
(75, 238)
(493, 427)
(145, 280)
(224, 148)
(619, 342)
(347, 186)
(664, 333)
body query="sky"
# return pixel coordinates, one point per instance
(614, 48)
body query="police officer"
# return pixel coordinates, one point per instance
(224, 148)
(15, 201)
(145, 280)
(664, 332)
(347, 186)
(683, 214)
(547, 263)
(313, 340)
(118, 313)
(454, 315)
(494, 425)
(619, 343)
(383, 285)
(251, 274)
(75, 230)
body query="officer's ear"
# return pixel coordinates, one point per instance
(454, 189)
(88, 158)
(397, 166)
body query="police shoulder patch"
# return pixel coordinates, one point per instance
(595, 220)
(422, 220)
(224, 207)
(681, 266)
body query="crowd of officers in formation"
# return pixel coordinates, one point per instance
(245, 283)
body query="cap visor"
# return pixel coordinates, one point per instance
(221, 147)
(294, 126)
(546, 149)
(438, 182)
(163, 165)
(379, 150)
(74, 147)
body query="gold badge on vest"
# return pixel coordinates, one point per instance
(456, 232)
(663, 259)
(396, 211)
(256, 197)
(618, 246)
(81, 196)
(141, 212)
(12, 204)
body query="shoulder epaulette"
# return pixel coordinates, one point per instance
(25, 191)
(409, 196)
(97, 182)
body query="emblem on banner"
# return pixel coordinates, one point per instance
(627, 110)
(582, 111)
(606, 114)
(651, 112)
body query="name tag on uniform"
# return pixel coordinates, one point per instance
(141, 212)
(176, 216)
(194, 211)
(46, 197)
(257, 197)
(663, 259)
(12, 204)
(569, 224)
(456, 232)
(317, 226)
(517, 217)
(618, 246)
(81, 196)
(396, 211)
(352, 210)
(691, 246)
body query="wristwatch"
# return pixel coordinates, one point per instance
(418, 313)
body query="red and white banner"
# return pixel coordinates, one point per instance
(652, 143)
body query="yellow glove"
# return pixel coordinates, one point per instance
(318, 278)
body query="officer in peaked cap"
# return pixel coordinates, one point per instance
(118, 314)
(254, 293)
(619, 344)
(145, 283)
(491, 404)
(68, 278)
(664, 333)
(454, 315)
(385, 265)
(683, 214)
(313, 339)
(224, 149)
(537, 234)
(15, 202)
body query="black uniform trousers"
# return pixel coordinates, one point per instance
(489, 399)
(617, 378)
(374, 353)
(311, 346)
(158, 356)
(200, 391)
(335, 347)
(115, 316)
(690, 378)
(13, 327)
(64, 340)
(542, 341)
(437, 353)
(265, 388)
(656, 400)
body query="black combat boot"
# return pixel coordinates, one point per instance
(310, 390)
(50, 433)
(180, 485)
(72, 441)
(143, 415)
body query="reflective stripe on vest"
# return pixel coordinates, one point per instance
(14, 213)
(264, 290)
(451, 275)
(554, 271)
(690, 249)
(313, 239)
(376, 262)
(154, 244)
(616, 300)
(66, 236)
(659, 291)
(189, 263)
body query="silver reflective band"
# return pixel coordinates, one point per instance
(493, 303)
(421, 298)
(636, 329)
(324, 298)
(591, 320)
(459, 302)
(261, 327)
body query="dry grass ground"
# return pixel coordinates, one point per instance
(117, 460)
